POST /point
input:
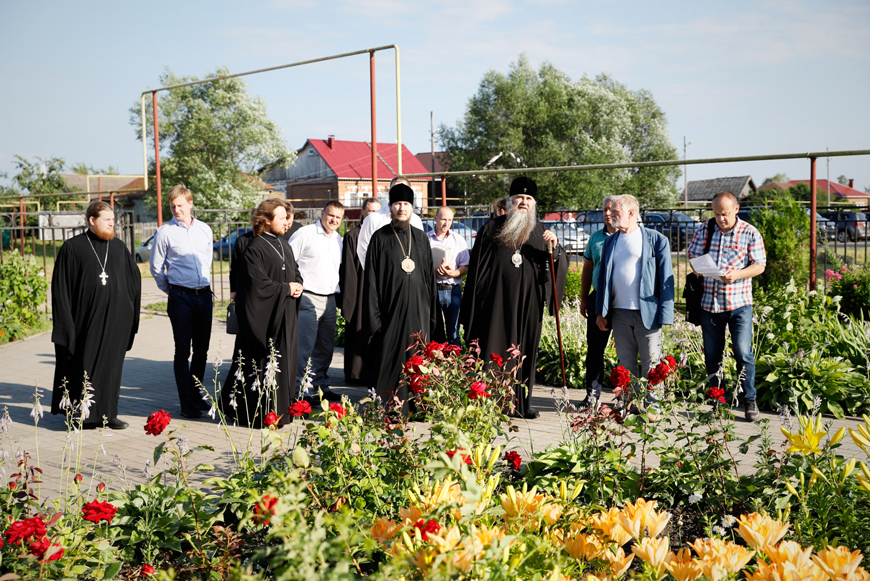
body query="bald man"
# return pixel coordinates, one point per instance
(450, 257)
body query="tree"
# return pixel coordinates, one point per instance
(780, 178)
(83, 169)
(843, 180)
(541, 119)
(38, 176)
(212, 138)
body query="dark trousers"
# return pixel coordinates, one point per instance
(191, 318)
(449, 301)
(596, 344)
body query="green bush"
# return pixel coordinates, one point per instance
(573, 284)
(785, 227)
(853, 284)
(23, 287)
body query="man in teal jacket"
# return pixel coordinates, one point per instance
(636, 284)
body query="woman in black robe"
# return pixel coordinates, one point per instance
(267, 303)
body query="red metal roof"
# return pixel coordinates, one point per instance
(353, 159)
(837, 188)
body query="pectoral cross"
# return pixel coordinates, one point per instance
(103, 277)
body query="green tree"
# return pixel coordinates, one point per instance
(785, 227)
(38, 176)
(780, 177)
(843, 180)
(83, 169)
(212, 137)
(542, 118)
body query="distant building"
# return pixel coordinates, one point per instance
(125, 192)
(701, 192)
(438, 163)
(840, 194)
(331, 169)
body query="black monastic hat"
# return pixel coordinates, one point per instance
(401, 193)
(524, 186)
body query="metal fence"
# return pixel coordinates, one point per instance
(842, 233)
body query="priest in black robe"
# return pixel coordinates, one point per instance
(267, 303)
(400, 295)
(351, 282)
(509, 284)
(95, 296)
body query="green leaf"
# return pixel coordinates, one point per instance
(112, 570)
(158, 451)
(300, 457)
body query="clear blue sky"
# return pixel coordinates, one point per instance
(737, 78)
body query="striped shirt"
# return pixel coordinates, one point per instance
(733, 250)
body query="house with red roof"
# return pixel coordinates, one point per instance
(840, 194)
(333, 169)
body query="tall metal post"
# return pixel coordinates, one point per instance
(144, 146)
(21, 221)
(443, 190)
(398, 117)
(814, 186)
(374, 127)
(157, 162)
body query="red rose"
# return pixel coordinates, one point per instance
(465, 457)
(96, 510)
(148, 570)
(101, 487)
(78, 478)
(338, 409)
(299, 408)
(22, 530)
(478, 389)
(426, 527)
(418, 384)
(672, 363)
(452, 350)
(496, 358)
(41, 547)
(620, 377)
(514, 459)
(659, 373)
(271, 419)
(265, 510)
(434, 347)
(12, 485)
(717, 394)
(157, 422)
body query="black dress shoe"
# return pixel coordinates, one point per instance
(117, 424)
(191, 414)
(532, 414)
(330, 395)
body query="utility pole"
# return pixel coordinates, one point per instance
(686, 172)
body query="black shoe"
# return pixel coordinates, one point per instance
(751, 409)
(330, 395)
(587, 402)
(191, 415)
(532, 414)
(117, 424)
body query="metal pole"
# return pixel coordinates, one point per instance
(374, 126)
(21, 221)
(828, 179)
(144, 146)
(157, 162)
(398, 115)
(443, 190)
(813, 203)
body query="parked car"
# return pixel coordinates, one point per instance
(224, 247)
(678, 227)
(850, 225)
(572, 238)
(827, 228)
(457, 227)
(143, 251)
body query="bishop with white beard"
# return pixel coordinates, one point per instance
(508, 285)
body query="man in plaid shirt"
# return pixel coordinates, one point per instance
(738, 251)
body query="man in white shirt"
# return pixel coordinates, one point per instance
(317, 249)
(450, 257)
(380, 219)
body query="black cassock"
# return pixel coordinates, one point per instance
(398, 303)
(238, 252)
(94, 324)
(503, 305)
(267, 316)
(351, 282)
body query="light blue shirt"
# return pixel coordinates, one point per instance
(182, 256)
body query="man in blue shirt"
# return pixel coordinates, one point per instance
(180, 264)
(596, 339)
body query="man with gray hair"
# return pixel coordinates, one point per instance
(508, 285)
(636, 292)
(596, 339)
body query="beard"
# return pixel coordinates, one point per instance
(517, 228)
(104, 234)
(399, 223)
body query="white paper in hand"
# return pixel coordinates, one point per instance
(705, 266)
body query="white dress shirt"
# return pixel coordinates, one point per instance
(182, 255)
(454, 248)
(318, 256)
(373, 222)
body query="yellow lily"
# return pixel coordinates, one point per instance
(807, 442)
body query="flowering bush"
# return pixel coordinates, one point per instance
(853, 284)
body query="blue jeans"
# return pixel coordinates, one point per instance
(450, 301)
(739, 321)
(191, 318)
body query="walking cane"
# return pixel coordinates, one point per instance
(558, 324)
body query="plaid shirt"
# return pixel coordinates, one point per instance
(733, 250)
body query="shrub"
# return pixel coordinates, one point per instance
(23, 287)
(784, 226)
(853, 284)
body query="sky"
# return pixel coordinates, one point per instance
(736, 78)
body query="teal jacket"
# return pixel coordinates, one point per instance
(656, 280)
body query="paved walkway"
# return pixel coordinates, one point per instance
(121, 457)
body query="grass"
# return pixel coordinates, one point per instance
(41, 327)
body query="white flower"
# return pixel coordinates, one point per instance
(183, 444)
(717, 530)
(37, 406)
(695, 498)
(728, 521)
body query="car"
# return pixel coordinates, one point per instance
(224, 247)
(458, 227)
(827, 228)
(678, 227)
(593, 221)
(143, 251)
(850, 225)
(571, 238)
